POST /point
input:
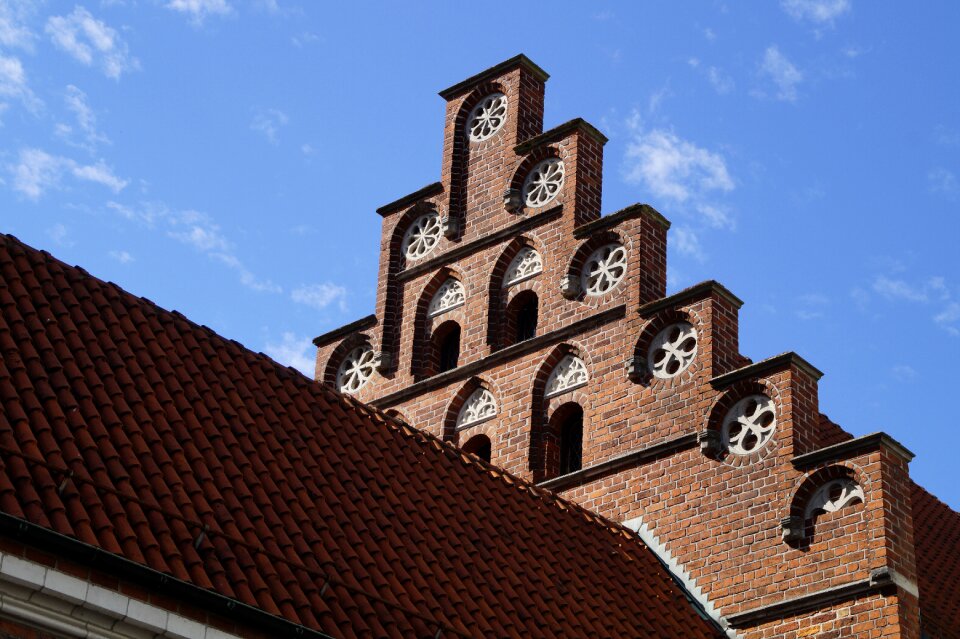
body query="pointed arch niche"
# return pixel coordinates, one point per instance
(438, 325)
(514, 294)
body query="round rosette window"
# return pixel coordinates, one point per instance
(487, 117)
(672, 350)
(749, 424)
(422, 236)
(604, 269)
(356, 370)
(544, 183)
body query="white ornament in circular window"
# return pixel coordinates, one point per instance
(672, 350)
(570, 373)
(449, 296)
(604, 269)
(749, 424)
(356, 370)
(479, 407)
(525, 265)
(487, 117)
(422, 236)
(834, 495)
(544, 183)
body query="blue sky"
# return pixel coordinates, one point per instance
(224, 158)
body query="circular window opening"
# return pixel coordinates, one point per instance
(672, 350)
(422, 236)
(749, 424)
(604, 269)
(487, 117)
(356, 370)
(544, 183)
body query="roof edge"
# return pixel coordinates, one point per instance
(497, 69)
(558, 132)
(431, 189)
(761, 368)
(358, 325)
(689, 294)
(613, 219)
(853, 447)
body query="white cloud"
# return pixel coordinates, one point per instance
(721, 82)
(13, 83)
(306, 149)
(946, 136)
(199, 10)
(36, 172)
(898, 289)
(198, 231)
(784, 75)
(268, 123)
(121, 256)
(811, 306)
(686, 241)
(99, 173)
(13, 30)
(821, 12)
(60, 235)
(294, 351)
(943, 182)
(949, 318)
(903, 373)
(320, 296)
(86, 121)
(91, 41)
(305, 38)
(673, 168)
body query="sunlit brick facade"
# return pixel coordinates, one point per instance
(780, 523)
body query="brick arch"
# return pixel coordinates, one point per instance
(657, 323)
(575, 263)
(424, 327)
(476, 444)
(736, 392)
(336, 357)
(497, 296)
(544, 409)
(808, 486)
(391, 332)
(460, 169)
(453, 409)
(525, 165)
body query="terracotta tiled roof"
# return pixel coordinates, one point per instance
(936, 535)
(131, 429)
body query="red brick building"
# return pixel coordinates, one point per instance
(516, 322)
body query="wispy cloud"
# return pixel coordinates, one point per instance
(294, 351)
(320, 296)
(943, 182)
(818, 12)
(811, 306)
(200, 10)
(782, 73)
(198, 231)
(932, 291)
(686, 240)
(305, 38)
(14, 32)
(904, 373)
(946, 136)
(268, 122)
(60, 235)
(91, 42)
(121, 256)
(38, 171)
(720, 81)
(13, 84)
(949, 318)
(84, 133)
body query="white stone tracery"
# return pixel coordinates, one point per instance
(487, 117)
(834, 495)
(356, 369)
(749, 424)
(422, 236)
(672, 350)
(525, 265)
(449, 296)
(604, 269)
(479, 407)
(544, 182)
(569, 373)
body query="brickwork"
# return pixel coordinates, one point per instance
(718, 513)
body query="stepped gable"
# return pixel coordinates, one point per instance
(153, 444)
(518, 323)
